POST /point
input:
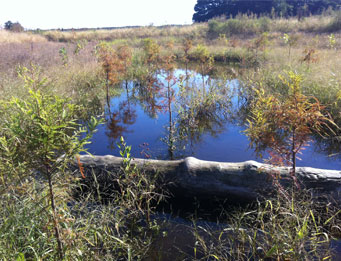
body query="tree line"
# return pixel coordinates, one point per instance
(207, 9)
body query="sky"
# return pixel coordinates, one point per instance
(54, 14)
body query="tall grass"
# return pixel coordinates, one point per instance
(298, 229)
(194, 31)
(24, 37)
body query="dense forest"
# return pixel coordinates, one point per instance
(207, 9)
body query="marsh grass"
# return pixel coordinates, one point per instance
(276, 229)
(194, 31)
(24, 37)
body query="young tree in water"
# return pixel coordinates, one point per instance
(114, 63)
(187, 46)
(168, 64)
(283, 126)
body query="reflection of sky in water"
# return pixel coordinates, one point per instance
(229, 145)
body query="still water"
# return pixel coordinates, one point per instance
(184, 115)
(178, 116)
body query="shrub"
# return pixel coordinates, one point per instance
(283, 125)
(39, 137)
(239, 25)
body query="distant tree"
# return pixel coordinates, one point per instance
(14, 27)
(17, 27)
(207, 9)
(8, 25)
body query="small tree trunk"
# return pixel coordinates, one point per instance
(55, 222)
(293, 152)
(170, 138)
(107, 87)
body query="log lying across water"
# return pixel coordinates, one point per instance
(191, 177)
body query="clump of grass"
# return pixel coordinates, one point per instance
(277, 229)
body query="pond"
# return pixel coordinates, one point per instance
(185, 114)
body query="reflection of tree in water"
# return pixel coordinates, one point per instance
(168, 95)
(148, 95)
(200, 118)
(157, 96)
(119, 121)
(203, 113)
(330, 144)
(191, 113)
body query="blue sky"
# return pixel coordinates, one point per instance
(48, 14)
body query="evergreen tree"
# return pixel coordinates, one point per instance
(207, 9)
(8, 25)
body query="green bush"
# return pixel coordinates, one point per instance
(239, 25)
(40, 136)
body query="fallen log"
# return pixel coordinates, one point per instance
(191, 177)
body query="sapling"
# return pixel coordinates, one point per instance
(283, 126)
(187, 46)
(332, 41)
(290, 41)
(64, 56)
(168, 62)
(114, 63)
(41, 133)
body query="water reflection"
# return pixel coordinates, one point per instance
(120, 120)
(173, 115)
(206, 111)
(187, 105)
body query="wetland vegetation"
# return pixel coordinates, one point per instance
(277, 79)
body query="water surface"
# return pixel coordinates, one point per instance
(152, 120)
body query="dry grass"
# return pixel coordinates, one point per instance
(308, 24)
(80, 70)
(196, 30)
(24, 37)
